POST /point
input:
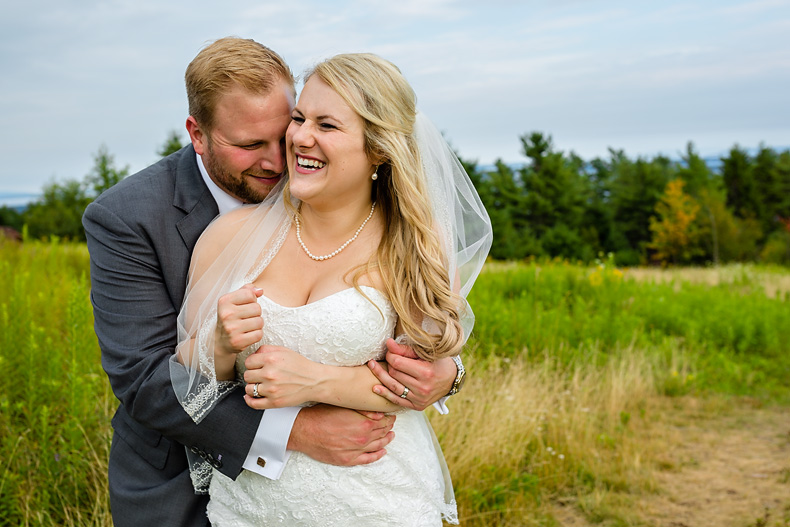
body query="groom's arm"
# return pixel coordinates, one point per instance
(135, 322)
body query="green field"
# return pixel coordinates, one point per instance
(567, 363)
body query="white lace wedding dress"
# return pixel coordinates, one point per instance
(405, 488)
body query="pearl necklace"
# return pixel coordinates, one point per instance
(336, 251)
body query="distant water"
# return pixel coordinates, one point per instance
(17, 200)
(714, 164)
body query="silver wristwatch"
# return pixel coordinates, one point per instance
(459, 378)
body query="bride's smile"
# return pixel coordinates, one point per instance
(325, 143)
(306, 165)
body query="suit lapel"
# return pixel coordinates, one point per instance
(194, 198)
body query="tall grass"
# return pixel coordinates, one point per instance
(55, 400)
(773, 280)
(566, 365)
(525, 434)
(733, 334)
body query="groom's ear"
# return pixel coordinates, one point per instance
(196, 135)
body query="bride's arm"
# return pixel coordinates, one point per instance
(285, 378)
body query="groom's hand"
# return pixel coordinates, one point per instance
(339, 436)
(427, 381)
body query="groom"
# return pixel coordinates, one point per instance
(140, 236)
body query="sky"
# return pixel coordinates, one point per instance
(645, 77)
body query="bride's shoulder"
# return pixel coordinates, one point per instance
(236, 216)
(224, 228)
(230, 223)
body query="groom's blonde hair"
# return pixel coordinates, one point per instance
(230, 62)
(409, 257)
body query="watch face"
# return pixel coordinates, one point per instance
(461, 381)
(459, 378)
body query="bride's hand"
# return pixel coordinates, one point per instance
(239, 321)
(283, 378)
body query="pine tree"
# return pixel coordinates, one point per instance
(555, 198)
(738, 178)
(171, 145)
(104, 175)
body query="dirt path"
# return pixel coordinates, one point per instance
(732, 470)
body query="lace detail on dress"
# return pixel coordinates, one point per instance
(320, 330)
(405, 487)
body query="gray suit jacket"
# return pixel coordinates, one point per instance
(141, 233)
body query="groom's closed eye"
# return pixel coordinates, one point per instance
(252, 146)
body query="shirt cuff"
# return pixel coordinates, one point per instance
(440, 405)
(268, 453)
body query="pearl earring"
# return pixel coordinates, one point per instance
(375, 176)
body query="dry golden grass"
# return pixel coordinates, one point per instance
(774, 283)
(523, 435)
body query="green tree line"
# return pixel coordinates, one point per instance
(642, 211)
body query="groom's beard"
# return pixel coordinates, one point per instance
(239, 187)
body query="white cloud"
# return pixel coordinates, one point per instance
(755, 7)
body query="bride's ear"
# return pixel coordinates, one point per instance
(376, 158)
(379, 163)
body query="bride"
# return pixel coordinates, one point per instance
(378, 232)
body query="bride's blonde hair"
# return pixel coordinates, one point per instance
(410, 256)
